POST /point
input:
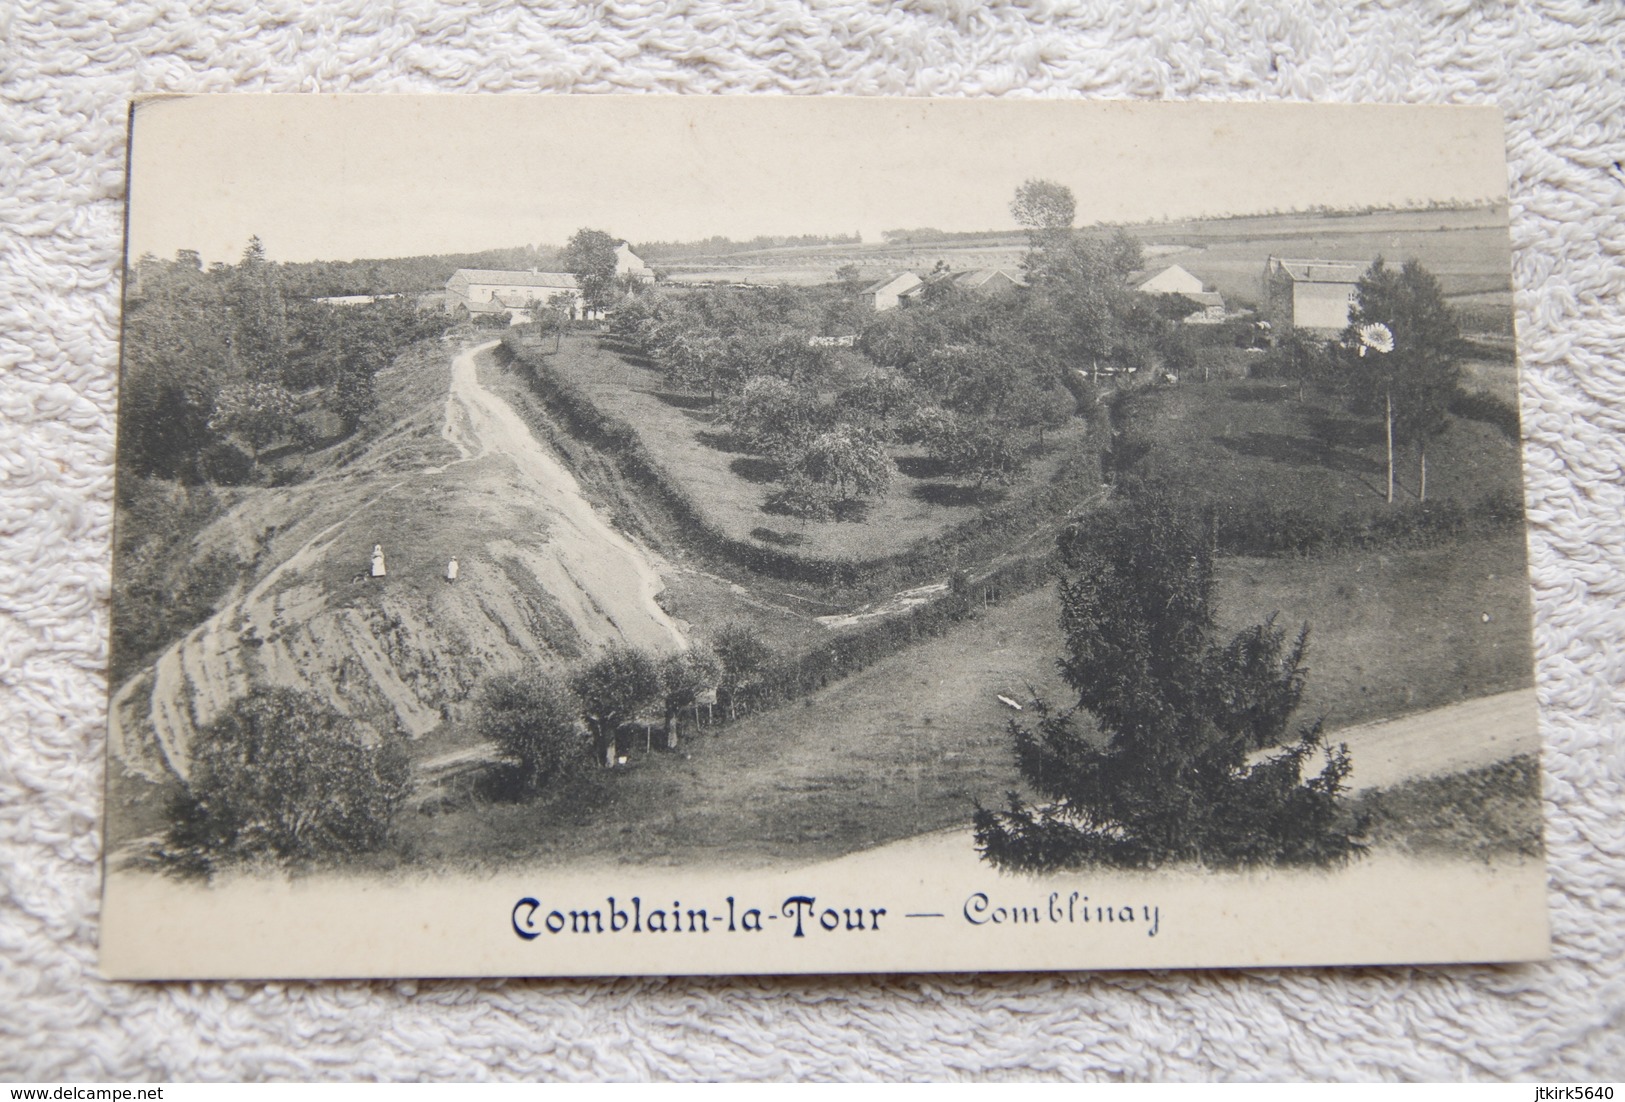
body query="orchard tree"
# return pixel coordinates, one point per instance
(282, 776)
(1300, 358)
(590, 257)
(773, 416)
(532, 720)
(1152, 763)
(849, 461)
(745, 660)
(1401, 352)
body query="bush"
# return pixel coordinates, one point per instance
(281, 776)
(532, 720)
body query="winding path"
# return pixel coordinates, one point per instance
(601, 572)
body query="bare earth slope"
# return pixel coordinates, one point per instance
(542, 577)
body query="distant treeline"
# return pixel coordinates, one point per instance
(711, 246)
(401, 275)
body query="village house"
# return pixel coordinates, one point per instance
(1310, 294)
(981, 281)
(883, 294)
(1175, 280)
(629, 264)
(488, 291)
(1172, 280)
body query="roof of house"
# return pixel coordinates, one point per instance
(1146, 277)
(980, 276)
(1319, 271)
(882, 284)
(563, 281)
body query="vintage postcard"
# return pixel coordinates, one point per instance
(602, 535)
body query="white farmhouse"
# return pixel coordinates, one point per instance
(628, 263)
(1172, 280)
(487, 291)
(883, 294)
(1175, 280)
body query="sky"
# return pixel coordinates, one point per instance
(344, 177)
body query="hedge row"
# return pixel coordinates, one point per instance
(1264, 528)
(1479, 406)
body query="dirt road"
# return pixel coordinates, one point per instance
(1444, 740)
(600, 574)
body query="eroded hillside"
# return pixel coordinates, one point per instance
(542, 578)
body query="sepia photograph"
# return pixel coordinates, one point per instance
(851, 535)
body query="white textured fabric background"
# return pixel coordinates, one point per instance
(1556, 69)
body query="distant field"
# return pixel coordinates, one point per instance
(732, 487)
(1468, 250)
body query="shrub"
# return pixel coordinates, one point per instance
(532, 720)
(282, 776)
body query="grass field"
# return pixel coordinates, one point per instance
(909, 744)
(1252, 440)
(732, 487)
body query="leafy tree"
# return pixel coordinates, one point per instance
(1045, 209)
(282, 776)
(745, 661)
(969, 446)
(532, 720)
(612, 690)
(850, 461)
(1163, 772)
(684, 677)
(1414, 382)
(804, 497)
(850, 277)
(882, 401)
(259, 413)
(773, 416)
(1300, 358)
(590, 257)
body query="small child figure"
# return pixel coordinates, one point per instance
(377, 560)
(451, 569)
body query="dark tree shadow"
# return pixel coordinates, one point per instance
(1259, 395)
(778, 539)
(1343, 432)
(689, 402)
(757, 469)
(850, 511)
(921, 466)
(723, 441)
(952, 493)
(1281, 448)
